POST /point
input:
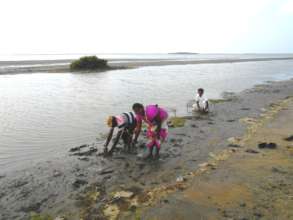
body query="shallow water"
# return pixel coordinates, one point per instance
(42, 115)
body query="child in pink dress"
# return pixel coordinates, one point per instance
(155, 117)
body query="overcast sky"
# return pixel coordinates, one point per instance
(109, 26)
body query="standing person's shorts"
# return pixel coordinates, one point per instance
(202, 106)
(127, 133)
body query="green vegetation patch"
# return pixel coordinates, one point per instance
(35, 216)
(176, 122)
(89, 63)
(216, 101)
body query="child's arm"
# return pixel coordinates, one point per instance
(110, 135)
(137, 131)
(116, 142)
(207, 106)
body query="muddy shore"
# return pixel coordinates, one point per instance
(57, 66)
(82, 184)
(252, 180)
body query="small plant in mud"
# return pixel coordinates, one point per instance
(89, 63)
(176, 122)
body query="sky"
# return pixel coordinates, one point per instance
(146, 26)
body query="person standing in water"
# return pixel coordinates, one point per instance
(126, 123)
(156, 119)
(201, 102)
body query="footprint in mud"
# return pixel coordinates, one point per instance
(106, 171)
(234, 145)
(78, 183)
(2, 194)
(173, 140)
(251, 151)
(2, 176)
(78, 148)
(278, 170)
(31, 208)
(19, 183)
(141, 165)
(177, 145)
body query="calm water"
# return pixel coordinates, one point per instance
(42, 115)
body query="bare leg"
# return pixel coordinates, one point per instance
(150, 147)
(157, 155)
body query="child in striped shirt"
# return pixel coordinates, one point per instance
(125, 123)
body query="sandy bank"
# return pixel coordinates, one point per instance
(246, 182)
(85, 185)
(57, 66)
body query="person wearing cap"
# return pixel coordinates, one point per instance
(125, 123)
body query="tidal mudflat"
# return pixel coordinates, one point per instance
(83, 184)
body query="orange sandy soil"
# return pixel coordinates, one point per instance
(233, 184)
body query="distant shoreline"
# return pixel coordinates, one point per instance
(62, 66)
(183, 53)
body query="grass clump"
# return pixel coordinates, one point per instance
(89, 63)
(175, 122)
(216, 101)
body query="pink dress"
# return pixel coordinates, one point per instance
(151, 111)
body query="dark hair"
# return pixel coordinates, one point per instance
(114, 122)
(200, 90)
(137, 105)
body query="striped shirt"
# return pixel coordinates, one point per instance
(126, 120)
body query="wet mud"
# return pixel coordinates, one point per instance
(86, 185)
